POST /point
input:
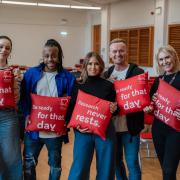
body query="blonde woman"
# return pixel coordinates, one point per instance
(165, 138)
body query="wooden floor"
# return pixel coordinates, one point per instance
(150, 166)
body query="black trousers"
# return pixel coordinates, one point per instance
(167, 145)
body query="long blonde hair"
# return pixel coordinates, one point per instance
(84, 74)
(172, 52)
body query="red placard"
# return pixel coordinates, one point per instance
(91, 112)
(132, 94)
(48, 114)
(6, 89)
(166, 102)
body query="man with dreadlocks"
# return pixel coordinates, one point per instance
(47, 79)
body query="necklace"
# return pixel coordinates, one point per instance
(172, 79)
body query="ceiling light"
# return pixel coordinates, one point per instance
(53, 5)
(19, 3)
(63, 33)
(86, 7)
(49, 5)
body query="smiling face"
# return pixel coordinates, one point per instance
(5, 50)
(166, 62)
(118, 53)
(93, 67)
(50, 58)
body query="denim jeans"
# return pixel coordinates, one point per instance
(130, 144)
(10, 150)
(84, 146)
(32, 150)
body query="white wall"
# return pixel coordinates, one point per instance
(105, 36)
(30, 27)
(131, 13)
(96, 17)
(173, 12)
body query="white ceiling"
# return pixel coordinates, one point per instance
(100, 2)
(74, 2)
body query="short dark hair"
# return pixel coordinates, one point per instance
(54, 43)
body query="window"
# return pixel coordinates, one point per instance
(174, 37)
(139, 43)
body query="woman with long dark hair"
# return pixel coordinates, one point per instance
(86, 142)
